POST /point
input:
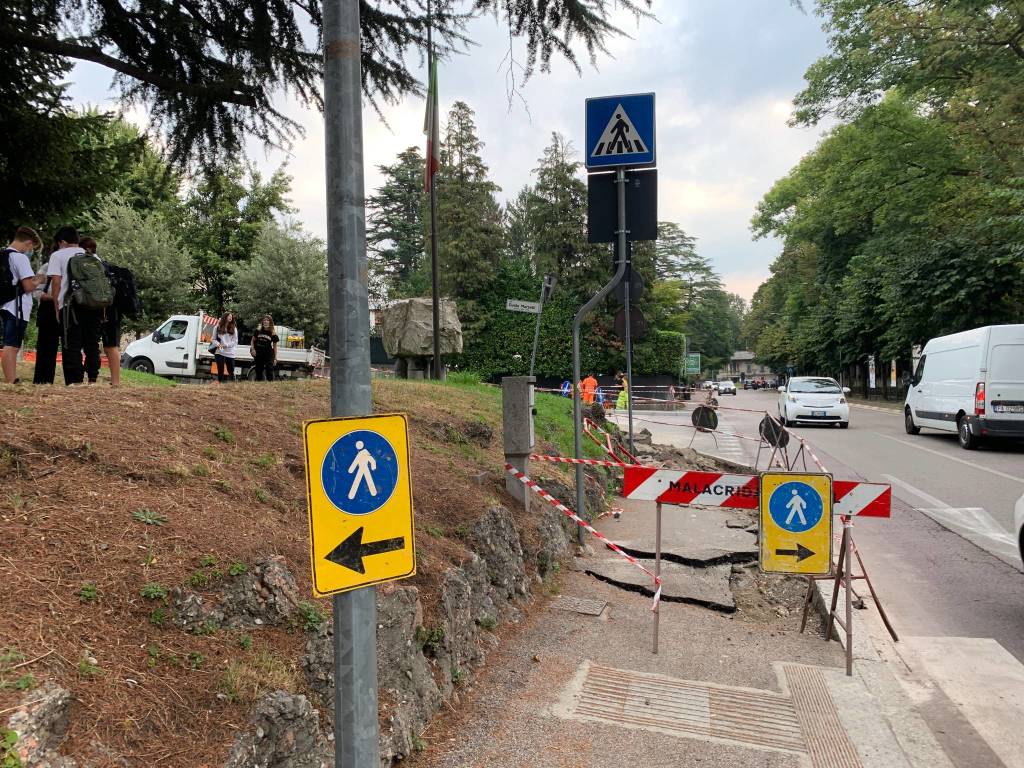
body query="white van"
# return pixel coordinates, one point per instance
(971, 383)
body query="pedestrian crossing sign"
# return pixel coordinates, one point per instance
(359, 496)
(620, 131)
(796, 523)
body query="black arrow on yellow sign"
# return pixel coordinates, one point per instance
(800, 553)
(351, 551)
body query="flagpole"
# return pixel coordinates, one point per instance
(435, 295)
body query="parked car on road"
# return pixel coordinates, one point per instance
(726, 387)
(814, 399)
(971, 383)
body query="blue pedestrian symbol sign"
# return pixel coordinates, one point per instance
(360, 472)
(620, 131)
(795, 507)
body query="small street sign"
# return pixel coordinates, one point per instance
(796, 523)
(620, 131)
(518, 305)
(692, 363)
(359, 493)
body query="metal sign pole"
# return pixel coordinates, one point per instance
(355, 613)
(657, 571)
(629, 361)
(848, 577)
(577, 411)
(546, 287)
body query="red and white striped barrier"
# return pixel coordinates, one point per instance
(861, 499)
(679, 486)
(568, 460)
(525, 480)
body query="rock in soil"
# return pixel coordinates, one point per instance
(40, 724)
(285, 733)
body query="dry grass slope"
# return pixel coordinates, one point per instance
(109, 499)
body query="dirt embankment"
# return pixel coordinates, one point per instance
(112, 499)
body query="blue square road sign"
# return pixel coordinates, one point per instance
(620, 131)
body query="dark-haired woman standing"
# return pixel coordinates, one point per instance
(226, 339)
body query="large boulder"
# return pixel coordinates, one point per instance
(408, 328)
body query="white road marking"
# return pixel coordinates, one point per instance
(966, 463)
(972, 523)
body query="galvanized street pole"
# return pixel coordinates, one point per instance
(577, 411)
(355, 613)
(547, 286)
(629, 360)
(435, 296)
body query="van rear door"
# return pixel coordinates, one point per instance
(1004, 387)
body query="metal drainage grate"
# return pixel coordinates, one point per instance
(579, 605)
(806, 724)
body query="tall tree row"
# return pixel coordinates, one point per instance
(905, 222)
(489, 253)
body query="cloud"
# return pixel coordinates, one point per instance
(724, 75)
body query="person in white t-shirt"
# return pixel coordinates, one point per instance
(15, 313)
(80, 329)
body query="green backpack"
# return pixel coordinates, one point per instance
(88, 283)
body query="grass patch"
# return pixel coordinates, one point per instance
(200, 470)
(153, 591)
(149, 517)
(261, 495)
(246, 680)
(140, 379)
(88, 593)
(265, 461)
(224, 435)
(237, 569)
(310, 617)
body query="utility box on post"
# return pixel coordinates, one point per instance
(518, 411)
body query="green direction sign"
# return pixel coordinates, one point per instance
(692, 363)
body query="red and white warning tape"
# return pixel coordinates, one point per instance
(588, 462)
(525, 480)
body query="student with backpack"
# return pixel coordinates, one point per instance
(110, 325)
(17, 281)
(80, 284)
(225, 339)
(263, 349)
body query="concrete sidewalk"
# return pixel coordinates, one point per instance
(740, 688)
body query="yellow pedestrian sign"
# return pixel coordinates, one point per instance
(796, 523)
(359, 494)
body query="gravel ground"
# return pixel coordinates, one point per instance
(503, 717)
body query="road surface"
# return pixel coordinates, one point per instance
(946, 563)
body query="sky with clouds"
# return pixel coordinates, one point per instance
(724, 71)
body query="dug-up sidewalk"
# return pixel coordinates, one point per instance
(734, 682)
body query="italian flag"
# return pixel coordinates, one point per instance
(432, 130)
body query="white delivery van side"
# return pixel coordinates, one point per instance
(970, 383)
(179, 348)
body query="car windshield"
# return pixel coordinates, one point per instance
(815, 386)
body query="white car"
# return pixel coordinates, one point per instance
(814, 399)
(726, 387)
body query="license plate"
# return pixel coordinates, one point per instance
(819, 413)
(1008, 408)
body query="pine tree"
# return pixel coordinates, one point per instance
(470, 234)
(396, 228)
(221, 221)
(557, 217)
(676, 258)
(209, 71)
(519, 241)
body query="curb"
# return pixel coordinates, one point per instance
(878, 408)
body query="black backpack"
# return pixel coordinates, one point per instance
(126, 297)
(9, 291)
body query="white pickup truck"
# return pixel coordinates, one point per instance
(179, 348)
